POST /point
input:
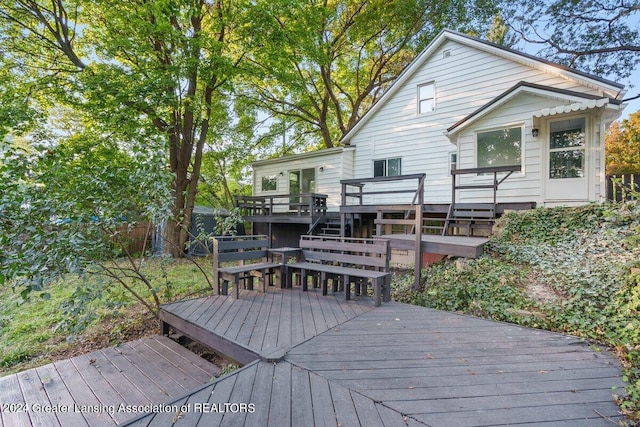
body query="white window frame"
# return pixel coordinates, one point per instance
(521, 126)
(385, 172)
(271, 179)
(421, 99)
(583, 147)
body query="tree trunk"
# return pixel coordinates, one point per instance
(175, 238)
(176, 232)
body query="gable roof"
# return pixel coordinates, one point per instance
(578, 100)
(611, 89)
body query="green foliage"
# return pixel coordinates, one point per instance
(320, 65)
(622, 143)
(227, 369)
(32, 329)
(153, 71)
(485, 287)
(584, 259)
(66, 209)
(227, 225)
(598, 37)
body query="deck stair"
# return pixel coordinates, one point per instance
(331, 227)
(469, 217)
(326, 225)
(432, 223)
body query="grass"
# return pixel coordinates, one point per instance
(50, 325)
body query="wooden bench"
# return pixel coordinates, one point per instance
(345, 260)
(241, 249)
(472, 216)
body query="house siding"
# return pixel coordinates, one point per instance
(465, 81)
(336, 165)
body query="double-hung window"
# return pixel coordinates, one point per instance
(426, 98)
(501, 147)
(387, 167)
(567, 149)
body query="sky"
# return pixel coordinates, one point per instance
(634, 105)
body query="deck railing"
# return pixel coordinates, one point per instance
(361, 183)
(362, 190)
(311, 204)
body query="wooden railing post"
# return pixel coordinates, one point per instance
(418, 227)
(216, 274)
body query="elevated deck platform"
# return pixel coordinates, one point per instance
(468, 247)
(261, 325)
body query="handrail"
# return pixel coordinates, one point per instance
(416, 206)
(310, 204)
(360, 183)
(495, 170)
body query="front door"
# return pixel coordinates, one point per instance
(566, 164)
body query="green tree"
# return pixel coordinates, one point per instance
(599, 37)
(500, 33)
(66, 207)
(623, 146)
(143, 70)
(319, 65)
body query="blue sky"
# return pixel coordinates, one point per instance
(634, 105)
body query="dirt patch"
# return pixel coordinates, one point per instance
(536, 289)
(205, 352)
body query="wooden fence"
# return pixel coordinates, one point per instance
(135, 239)
(623, 187)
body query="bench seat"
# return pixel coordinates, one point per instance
(380, 279)
(237, 273)
(252, 254)
(344, 259)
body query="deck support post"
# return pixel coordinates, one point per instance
(418, 232)
(418, 247)
(164, 328)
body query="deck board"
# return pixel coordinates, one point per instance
(265, 323)
(350, 364)
(82, 394)
(90, 388)
(422, 362)
(280, 404)
(262, 395)
(468, 247)
(301, 399)
(11, 394)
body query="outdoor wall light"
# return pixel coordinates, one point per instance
(534, 132)
(321, 168)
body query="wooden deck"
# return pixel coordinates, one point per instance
(88, 390)
(468, 247)
(396, 365)
(261, 325)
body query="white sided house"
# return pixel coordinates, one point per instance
(466, 104)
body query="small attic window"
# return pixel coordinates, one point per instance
(446, 53)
